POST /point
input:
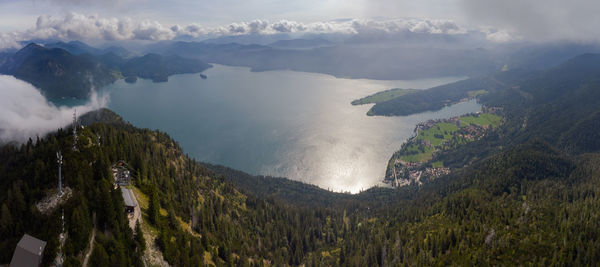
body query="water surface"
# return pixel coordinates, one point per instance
(281, 123)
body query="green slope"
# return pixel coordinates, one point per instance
(383, 96)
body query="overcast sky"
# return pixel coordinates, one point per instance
(538, 20)
(18, 14)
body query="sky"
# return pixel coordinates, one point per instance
(218, 12)
(501, 20)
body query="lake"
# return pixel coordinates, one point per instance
(279, 123)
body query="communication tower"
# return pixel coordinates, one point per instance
(75, 130)
(59, 160)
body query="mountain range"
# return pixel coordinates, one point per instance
(524, 194)
(72, 73)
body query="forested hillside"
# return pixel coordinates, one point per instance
(59, 73)
(525, 194)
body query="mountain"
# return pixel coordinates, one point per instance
(57, 72)
(301, 43)
(249, 39)
(74, 47)
(103, 115)
(60, 74)
(79, 48)
(440, 96)
(355, 61)
(538, 86)
(159, 68)
(117, 50)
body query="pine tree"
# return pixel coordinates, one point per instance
(154, 207)
(5, 220)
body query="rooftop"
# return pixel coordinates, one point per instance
(28, 252)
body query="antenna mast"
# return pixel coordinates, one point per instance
(59, 159)
(75, 130)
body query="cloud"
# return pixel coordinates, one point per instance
(500, 36)
(75, 26)
(25, 112)
(9, 40)
(537, 20)
(407, 25)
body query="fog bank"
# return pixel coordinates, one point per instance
(25, 113)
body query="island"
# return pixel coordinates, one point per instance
(131, 79)
(383, 96)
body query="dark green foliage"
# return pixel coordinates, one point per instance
(74, 72)
(139, 238)
(154, 206)
(29, 173)
(522, 195)
(280, 188)
(438, 97)
(57, 72)
(99, 257)
(158, 67)
(103, 115)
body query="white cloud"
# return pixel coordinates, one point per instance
(9, 40)
(537, 20)
(500, 36)
(75, 26)
(25, 112)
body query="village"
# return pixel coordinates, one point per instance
(415, 161)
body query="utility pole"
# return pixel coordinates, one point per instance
(59, 159)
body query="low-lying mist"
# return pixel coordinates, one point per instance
(25, 113)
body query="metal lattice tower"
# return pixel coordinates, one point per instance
(59, 159)
(75, 130)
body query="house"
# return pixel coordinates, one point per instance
(29, 252)
(121, 173)
(130, 202)
(124, 177)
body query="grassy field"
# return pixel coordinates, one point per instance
(437, 164)
(483, 119)
(441, 133)
(476, 93)
(383, 96)
(433, 136)
(441, 129)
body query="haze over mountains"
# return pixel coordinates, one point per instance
(375, 59)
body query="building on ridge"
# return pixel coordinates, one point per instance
(28, 253)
